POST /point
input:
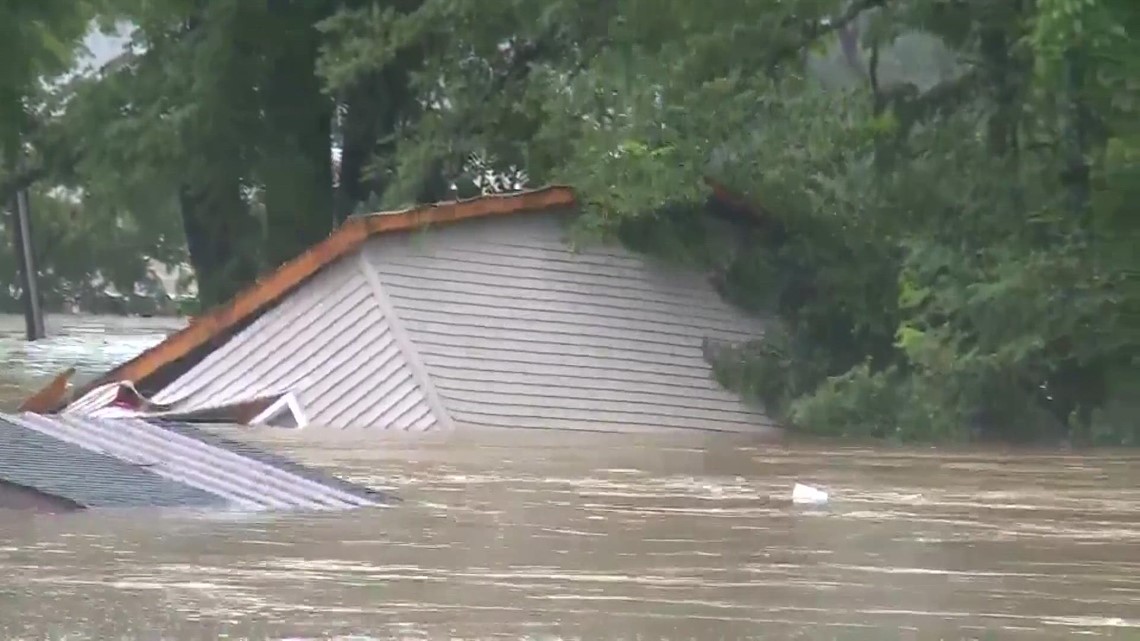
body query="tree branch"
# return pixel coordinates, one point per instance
(942, 98)
(819, 27)
(873, 77)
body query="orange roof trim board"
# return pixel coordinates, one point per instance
(345, 239)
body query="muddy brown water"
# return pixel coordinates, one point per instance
(544, 535)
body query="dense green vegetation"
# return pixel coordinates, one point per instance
(935, 197)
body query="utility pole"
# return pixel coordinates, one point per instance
(29, 276)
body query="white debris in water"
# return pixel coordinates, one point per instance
(808, 495)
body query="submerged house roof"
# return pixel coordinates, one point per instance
(490, 319)
(90, 463)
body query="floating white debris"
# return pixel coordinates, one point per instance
(808, 495)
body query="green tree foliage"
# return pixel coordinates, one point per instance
(459, 79)
(37, 40)
(947, 251)
(93, 260)
(215, 119)
(78, 244)
(932, 201)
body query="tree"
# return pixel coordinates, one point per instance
(942, 251)
(931, 201)
(218, 113)
(38, 41)
(459, 80)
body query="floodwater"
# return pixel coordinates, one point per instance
(90, 344)
(543, 535)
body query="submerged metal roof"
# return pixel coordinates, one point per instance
(131, 463)
(277, 461)
(87, 477)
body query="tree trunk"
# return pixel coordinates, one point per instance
(374, 110)
(296, 160)
(358, 137)
(221, 236)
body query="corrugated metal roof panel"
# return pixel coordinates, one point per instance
(330, 344)
(101, 402)
(38, 460)
(242, 481)
(97, 399)
(248, 451)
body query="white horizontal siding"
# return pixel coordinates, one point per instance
(328, 343)
(517, 330)
(560, 283)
